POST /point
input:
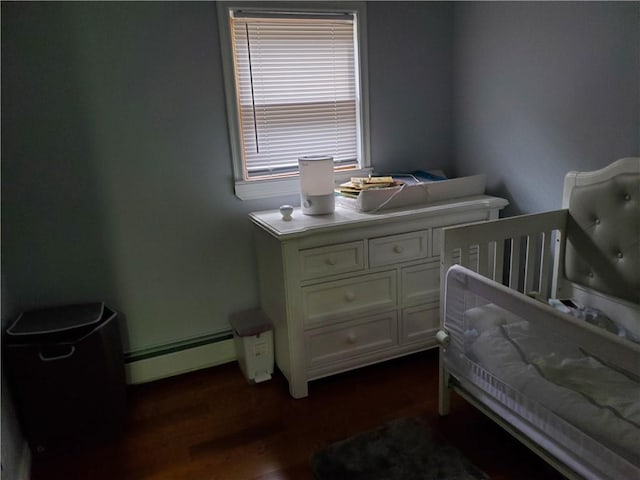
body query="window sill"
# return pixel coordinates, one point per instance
(282, 187)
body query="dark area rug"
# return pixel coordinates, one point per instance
(404, 449)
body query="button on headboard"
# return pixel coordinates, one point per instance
(603, 231)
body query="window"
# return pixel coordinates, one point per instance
(295, 83)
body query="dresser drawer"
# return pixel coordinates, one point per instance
(398, 248)
(420, 323)
(336, 343)
(331, 260)
(420, 283)
(330, 300)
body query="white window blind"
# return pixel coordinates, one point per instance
(297, 90)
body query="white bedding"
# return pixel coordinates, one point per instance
(603, 403)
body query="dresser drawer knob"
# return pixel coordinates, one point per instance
(398, 248)
(350, 296)
(331, 261)
(351, 339)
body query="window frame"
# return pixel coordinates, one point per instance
(289, 185)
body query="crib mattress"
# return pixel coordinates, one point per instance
(589, 412)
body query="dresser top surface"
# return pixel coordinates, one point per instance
(344, 217)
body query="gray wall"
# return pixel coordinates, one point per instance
(541, 89)
(116, 171)
(410, 58)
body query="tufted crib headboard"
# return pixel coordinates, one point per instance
(602, 249)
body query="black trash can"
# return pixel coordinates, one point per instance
(66, 370)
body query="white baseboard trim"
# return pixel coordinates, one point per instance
(183, 361)
(24, 467)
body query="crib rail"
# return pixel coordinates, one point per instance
(608, 347)
(517, 251)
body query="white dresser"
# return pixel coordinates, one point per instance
(350, 289)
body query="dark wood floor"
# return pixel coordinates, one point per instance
(212, 425)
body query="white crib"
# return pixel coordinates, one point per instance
(565, 384)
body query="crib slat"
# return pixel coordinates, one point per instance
(514, 263)
(530, 263)
(498, 261)
(546, 263)
(464, 257)
(483, 259)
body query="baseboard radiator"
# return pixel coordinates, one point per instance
(179, 357)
